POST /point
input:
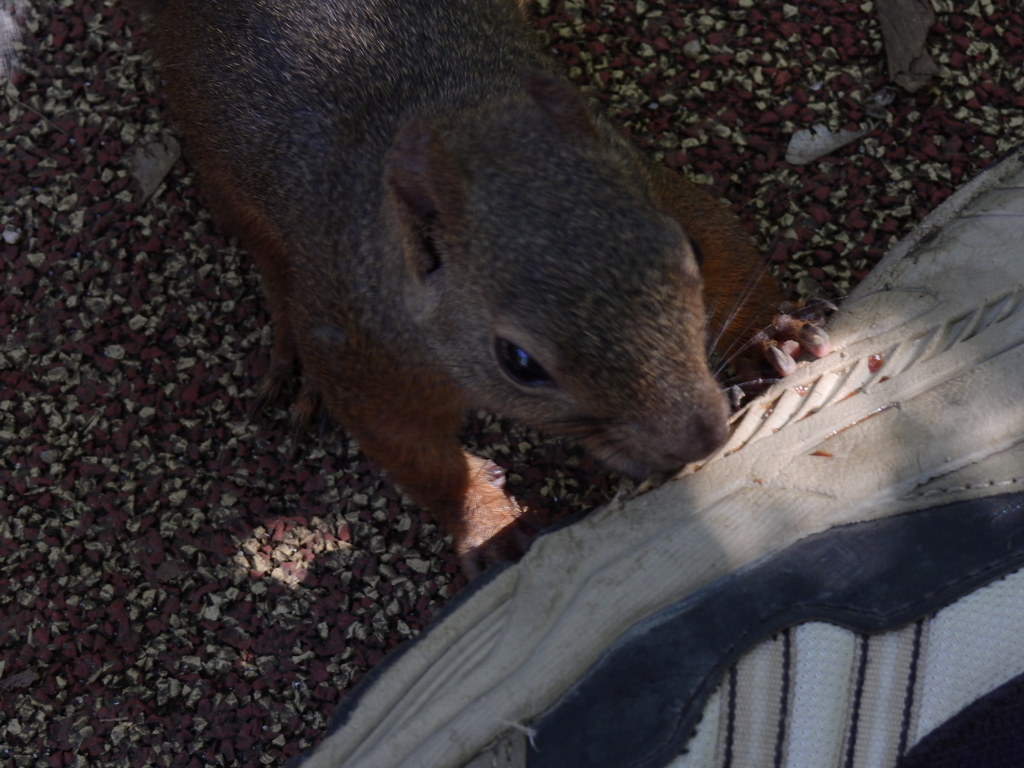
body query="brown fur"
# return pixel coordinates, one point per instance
(415, 186)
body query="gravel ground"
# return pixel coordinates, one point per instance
(175, 587)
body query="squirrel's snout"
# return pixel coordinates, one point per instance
(670, 442)
(705, 433)
(695, 434)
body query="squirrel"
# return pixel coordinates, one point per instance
(441, 223)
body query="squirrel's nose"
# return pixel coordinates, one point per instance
(699, 432)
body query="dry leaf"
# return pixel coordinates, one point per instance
(808, 145)
(150, 163)
(905, 24)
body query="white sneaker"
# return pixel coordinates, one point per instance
(814, 595)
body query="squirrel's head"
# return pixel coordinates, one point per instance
(547, 283)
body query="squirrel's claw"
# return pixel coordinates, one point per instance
(277, 378)
(307, 408)
(781, 361)
(815, 340)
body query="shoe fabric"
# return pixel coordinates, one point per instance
(826, 685)
(908, 436)
(821, 695)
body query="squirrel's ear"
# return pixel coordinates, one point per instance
(560, 102)
(423, 176)
(429, 190)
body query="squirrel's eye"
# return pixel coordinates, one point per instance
(520, 366)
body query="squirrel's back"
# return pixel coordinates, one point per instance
(301, 89)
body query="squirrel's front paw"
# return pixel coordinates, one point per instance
(773, 352)
(494, 528)
(795, 329)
